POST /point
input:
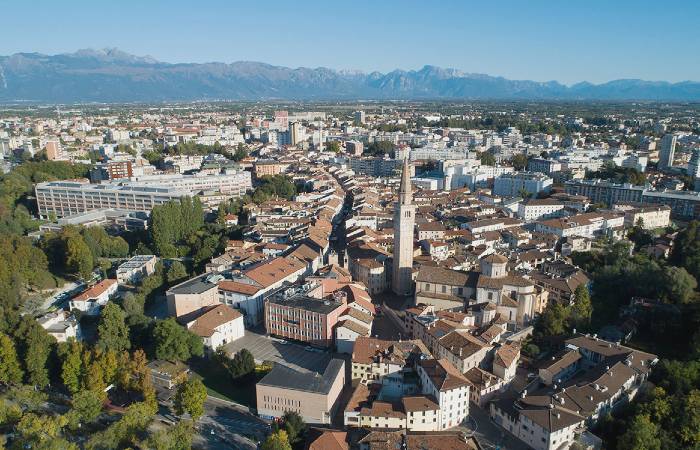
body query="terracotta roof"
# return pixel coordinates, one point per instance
(506, 354)
(212, 317)
(419, 403)
(328, 440)
(443, 374)
(96, 290)
(241, 288)
(269, 273)
(354, 326)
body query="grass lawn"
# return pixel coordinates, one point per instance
(220, 384)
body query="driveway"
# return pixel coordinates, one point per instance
(489, 435)
(290, 354)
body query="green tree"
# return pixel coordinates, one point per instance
(487, 159)
(519, 161)
(642, 434)
(294, 425)
(176, 272)
(553, 320)
(10, 369)
(174, 342)
(87, 405)
(242, 364)
(582, 308)
(679, 284)
(176, 437)
(79, 260)
(72, 366)
(333, 146)
(277, 441)
(112, 331)
(240, 153)
(190, 398)
(35, 348)
(133, 304)
(690, 420)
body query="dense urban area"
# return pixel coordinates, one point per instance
(362, 275)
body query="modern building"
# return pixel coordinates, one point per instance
(136, 269)
(312, 395)
(193, 295)
(65, 198)
(404, 219)
(546, 166)
(515, 184)
(666, 151)
(604, 191)
(303, 318)
(537, 209)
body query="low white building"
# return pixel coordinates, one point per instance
(217, 325)
(136, 269)
(91, 301)
(62, 325)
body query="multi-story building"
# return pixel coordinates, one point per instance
(303, 318)
(313, 396)
(537, 209)
(217, 325)
(445, 383)
(515, 184)
(604, 191)
(650, 217)
(193, 295)
(683, 204)
(91, 301)
(62, 325)
(232, 182)
(65, 198)
(354, 148)
(119, 169)
(667, 151)
(546, 166)
(136, 268)
(586, 224)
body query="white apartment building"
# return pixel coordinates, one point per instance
(136, 269)
(512, 185)
(537, 209)
(62, 325)
(586, 225)
(651, 217)
(92, 300)
(441, 380)
(218, 325)
(234, 182)
(66, 198)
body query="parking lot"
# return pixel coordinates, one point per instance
(276, 350)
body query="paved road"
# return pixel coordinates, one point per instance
(227, 426)
(290, 354)
(490, 435)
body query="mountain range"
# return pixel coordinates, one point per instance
(111, 75)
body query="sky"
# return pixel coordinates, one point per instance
(563, 40)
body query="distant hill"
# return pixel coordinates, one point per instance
(111, 75)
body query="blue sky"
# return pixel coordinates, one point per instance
(564, 40)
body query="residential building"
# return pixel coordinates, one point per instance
(217, 325)
(91, 301)
(538, 209)
(546, 166)
(62, 325)
(136, 268)
(667, 151)
(519, 183)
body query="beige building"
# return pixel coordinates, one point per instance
(443, 288)
(313, 396)
(193, 295)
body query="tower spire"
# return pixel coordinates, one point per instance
(405, 196)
